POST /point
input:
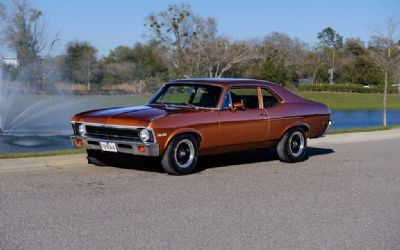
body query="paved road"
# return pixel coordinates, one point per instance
(345, 196)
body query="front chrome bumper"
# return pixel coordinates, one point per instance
(128, 147)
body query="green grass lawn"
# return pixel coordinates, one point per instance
(42, 154)
(367, 129)
(351, 101)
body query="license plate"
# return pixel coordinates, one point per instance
(108, 146)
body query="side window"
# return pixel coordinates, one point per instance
(248, 96)
(268, 99)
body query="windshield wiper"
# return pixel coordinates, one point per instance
(189, 105)
(161, 103)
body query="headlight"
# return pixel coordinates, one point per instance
(144, 135)
(82, 129)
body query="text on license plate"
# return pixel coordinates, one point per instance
(108, 146)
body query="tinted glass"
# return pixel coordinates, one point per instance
(189, 94)
(248, 96)
(268, 99)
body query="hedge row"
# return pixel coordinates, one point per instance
(354, 88)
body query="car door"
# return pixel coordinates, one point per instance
(243, 126)
(271, 108)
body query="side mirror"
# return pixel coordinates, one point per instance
(238, 106)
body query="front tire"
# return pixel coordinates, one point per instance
(180, 157)
(293, 146)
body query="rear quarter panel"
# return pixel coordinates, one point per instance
(314, 116)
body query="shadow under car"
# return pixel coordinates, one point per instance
(153, 164)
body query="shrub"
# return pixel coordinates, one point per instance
(354, 88)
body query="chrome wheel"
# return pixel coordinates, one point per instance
(296, 144)
(184, 153)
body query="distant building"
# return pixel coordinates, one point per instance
(9, 61)
(302, 81)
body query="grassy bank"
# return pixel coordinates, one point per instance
(353, 130)
(42, 154)
(352, 101)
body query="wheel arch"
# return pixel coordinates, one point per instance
(302, 125)
(194, 132)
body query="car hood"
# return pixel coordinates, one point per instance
(130, 116)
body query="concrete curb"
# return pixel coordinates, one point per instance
(390, 134)
(38, 163)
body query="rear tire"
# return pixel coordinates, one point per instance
(180, 157)
(293, 146)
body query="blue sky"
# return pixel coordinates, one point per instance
(107, 24)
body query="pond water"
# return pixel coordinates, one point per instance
(343, 119)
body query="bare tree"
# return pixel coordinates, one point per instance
(206, 31)
(175, 27)
(220, 55)
(193, 42)
(25, 32)
(384, 53)
(279, 51)
(329, 38)
(90, 67)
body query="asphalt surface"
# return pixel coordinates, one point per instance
(345, 196)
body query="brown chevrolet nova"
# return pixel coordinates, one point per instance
(192, 117)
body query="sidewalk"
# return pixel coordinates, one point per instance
(357, 137)
(40, 163)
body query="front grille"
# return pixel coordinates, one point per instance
(112, 133)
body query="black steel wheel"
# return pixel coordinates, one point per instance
(293, 145)
(180, 157)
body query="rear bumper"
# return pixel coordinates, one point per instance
(128, 147)
(328, 126)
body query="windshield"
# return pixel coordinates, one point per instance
(192, 95)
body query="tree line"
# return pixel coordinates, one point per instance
(183, 44)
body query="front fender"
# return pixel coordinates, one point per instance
(178, 132)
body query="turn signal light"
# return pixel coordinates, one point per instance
(141, 149)
(79, 142)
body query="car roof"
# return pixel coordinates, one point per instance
(280, 91)
(222, 81)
